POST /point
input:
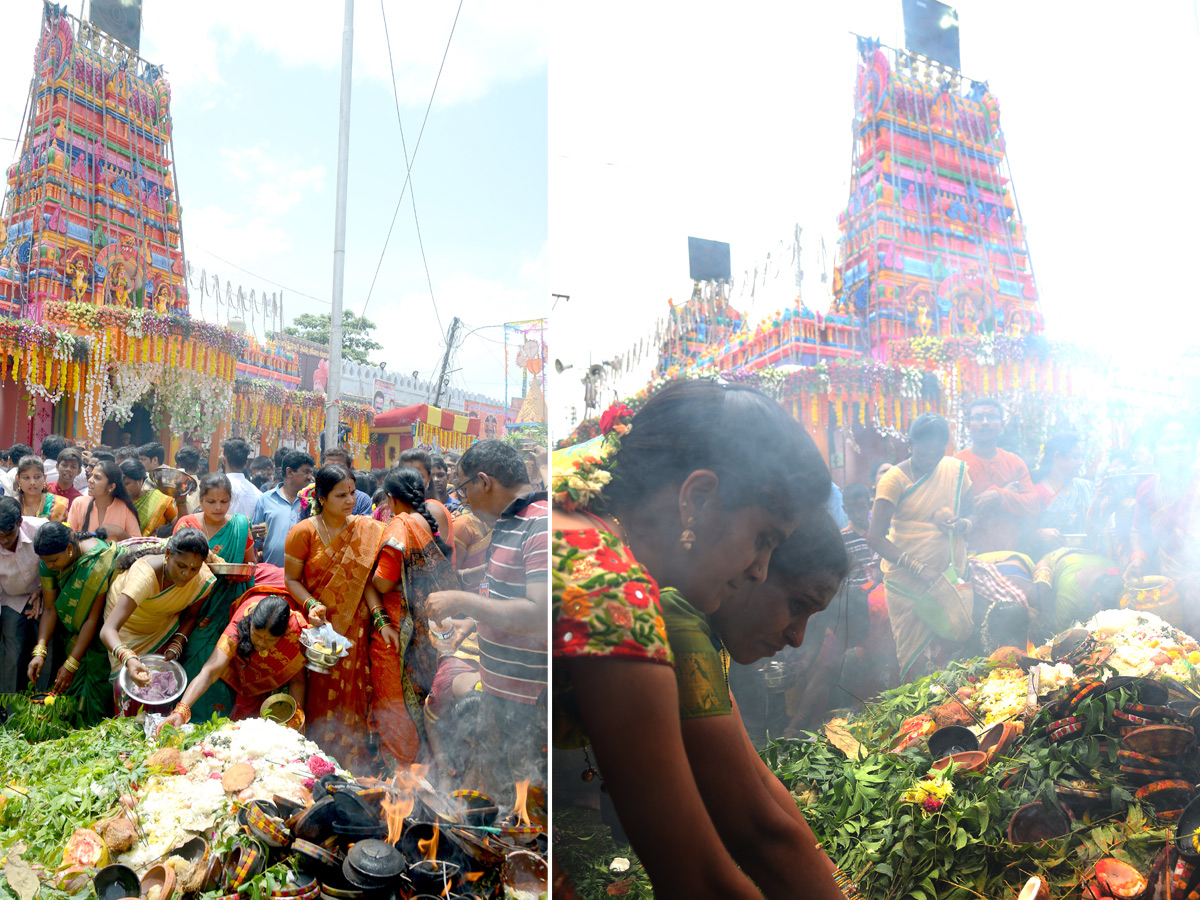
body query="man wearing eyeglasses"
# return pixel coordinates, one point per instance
(1005, 502)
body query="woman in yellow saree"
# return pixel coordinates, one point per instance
(154, 605)
(154, 508)
(921, 514)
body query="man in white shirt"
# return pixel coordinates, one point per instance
(234, 454)
(18, 584)
(16, 453)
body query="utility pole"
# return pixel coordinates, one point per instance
(441, 379)
(334, 388)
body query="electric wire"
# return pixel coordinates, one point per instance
(412, 191)
(256, 275)
(411, 162)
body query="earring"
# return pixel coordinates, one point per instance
(689, 535)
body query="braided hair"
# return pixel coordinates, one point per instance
(272, 613)
(185, 540)
(406, 485)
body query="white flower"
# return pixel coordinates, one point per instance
(620, 864)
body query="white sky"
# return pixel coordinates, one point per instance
(733, 122)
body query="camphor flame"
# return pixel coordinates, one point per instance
(429, 848)
(400, 800)
(520, 811)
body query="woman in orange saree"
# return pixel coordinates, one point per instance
(258, 654)
(413, 563)
(328, 560)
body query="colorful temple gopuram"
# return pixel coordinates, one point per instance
(934, 300)
(931, 242)
(91, 211)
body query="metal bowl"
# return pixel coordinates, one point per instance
(173, 482)
(278, 708)
(233, 571)
(154, 663)
(318, 660)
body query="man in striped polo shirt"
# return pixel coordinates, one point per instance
(512, 618)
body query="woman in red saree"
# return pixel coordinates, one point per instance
(413, 563)
(328, 560)
(257, 655)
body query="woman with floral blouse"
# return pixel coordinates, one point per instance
(690, 495)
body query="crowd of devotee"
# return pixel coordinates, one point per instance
(434, 571)
(1028, 547)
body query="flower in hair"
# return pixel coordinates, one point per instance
(615, 419)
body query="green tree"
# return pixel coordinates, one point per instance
(356, 333)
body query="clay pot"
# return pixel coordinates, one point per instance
(997, 739)
(158, 883)
(952, 739)
(1120, 880)
(971, 761)
(1036, 822)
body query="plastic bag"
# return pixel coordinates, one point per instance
(326, 640)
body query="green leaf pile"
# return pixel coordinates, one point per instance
(896, 849)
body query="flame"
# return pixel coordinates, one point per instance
(400, 799)
(520, 813)
(397, 811)
(429, 848)
(472, 877)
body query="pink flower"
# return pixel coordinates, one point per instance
(320, 766)
(933, 804)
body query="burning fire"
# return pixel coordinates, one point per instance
(429, 848)
(400, 799)
(520, 812)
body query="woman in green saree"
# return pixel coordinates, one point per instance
(918, 524)
(228, 538)
(76, 572)
(154, 508)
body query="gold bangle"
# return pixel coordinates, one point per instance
(183, 711)
(71, 665)
(40, 650)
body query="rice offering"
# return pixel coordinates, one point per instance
(174, 808)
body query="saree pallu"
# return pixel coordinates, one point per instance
(926, 638)
(77, 590)
(336, 705)
(471, 541)
(154, 510)
(156, 617)
(231, 543)
(401, 681)
(252, 679)
(53, 508)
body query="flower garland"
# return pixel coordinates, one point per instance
(267, 408)
(578, 479)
